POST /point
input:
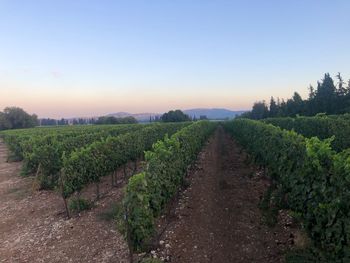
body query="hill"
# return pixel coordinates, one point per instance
(212, 114)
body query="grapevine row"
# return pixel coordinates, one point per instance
(101, 158)
(47, 152)
(322, 127)
(18, 140)
(309, 177)
(148, 192)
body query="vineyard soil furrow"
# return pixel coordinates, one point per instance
(217, 218)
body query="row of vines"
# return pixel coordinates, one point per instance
(68, 159)
(149, 192)
(42, 154)
(322, 127)
(17, 139)
(309, 177)
(89, 164)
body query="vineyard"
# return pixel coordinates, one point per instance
(294, 168)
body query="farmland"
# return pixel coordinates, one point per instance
(174, 132)
(241, 191)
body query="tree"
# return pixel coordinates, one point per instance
(273, 108)
(115, 120)
(295, 105)
(341, 90)
(17, 118)
(311, 92)
(260, 110)
(175, 116)
(4, 124)
(328, 98)
(326, 95)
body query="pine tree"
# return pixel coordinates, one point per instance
(273, 108)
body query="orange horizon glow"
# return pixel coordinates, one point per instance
(55, 103)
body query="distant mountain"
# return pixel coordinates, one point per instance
(213, 114)
(141, 117)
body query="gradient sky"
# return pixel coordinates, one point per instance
(85, 58)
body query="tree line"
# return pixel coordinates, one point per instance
(87, 121)
(17, 118)
(330, 96)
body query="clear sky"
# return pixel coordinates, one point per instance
(83, 58)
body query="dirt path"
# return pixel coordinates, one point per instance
(217, 218)
(33, 226)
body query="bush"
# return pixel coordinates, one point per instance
(139, 216)
(79, 204)
(151, 260)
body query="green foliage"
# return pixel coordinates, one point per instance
(320, 126)
(46, 146)
(302, 256)
(16, 118)
(139, 216)
(314, 179)
(148, 193)
(115, 120)
(175, 116)
(329, 97)
(269, 209)
(101, 158)
(114, 212)
(79, 204)
(151, 260)
(21, 141)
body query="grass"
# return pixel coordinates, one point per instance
(79, 204)
(270, 212)
(115, 212)
(111, 213)
(303, 256)
(151, 260)
(18, 192)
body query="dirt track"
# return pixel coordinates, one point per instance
(217, 218)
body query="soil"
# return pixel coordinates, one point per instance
(216, 219)
(34, 228)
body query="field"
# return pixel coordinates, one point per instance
(236, 191)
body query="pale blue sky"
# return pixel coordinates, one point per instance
(72, 58)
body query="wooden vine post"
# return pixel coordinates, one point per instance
(97, 190)
(36, 183)
(135, 166)
(128, 234)
(124, 169)
(62, 175)
(116, 178)
(112, 179)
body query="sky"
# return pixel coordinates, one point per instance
(64, 58)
